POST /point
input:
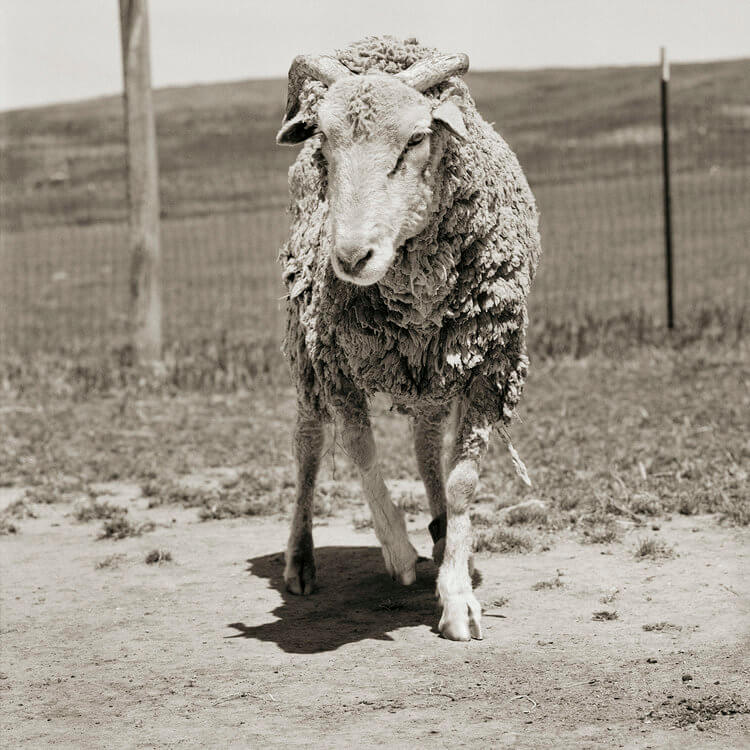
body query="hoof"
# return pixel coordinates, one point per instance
(299, 576)
(461, 618)
(402, 567)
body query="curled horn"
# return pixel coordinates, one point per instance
(323, 68)
(425, 74)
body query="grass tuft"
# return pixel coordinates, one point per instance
(527, 515)
(660, 627)
(95, 510)
(19, 509)
(7, 527)
(158, 556)
(603, 532)
(653, 548)
(605, 615)
(553, 583)
(120, 527)
(110, 562)
(501, 540)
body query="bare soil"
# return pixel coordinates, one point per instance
(100, 649)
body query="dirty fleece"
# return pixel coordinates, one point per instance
(449, 316)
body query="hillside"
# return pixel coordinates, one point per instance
(589, 141)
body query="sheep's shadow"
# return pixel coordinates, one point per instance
(355, 600)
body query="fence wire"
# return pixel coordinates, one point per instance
(596, 174)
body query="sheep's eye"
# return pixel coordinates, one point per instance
(416, 139)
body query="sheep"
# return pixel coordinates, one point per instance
(413, 244)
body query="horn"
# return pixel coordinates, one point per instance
(425, 74)
(323, 68)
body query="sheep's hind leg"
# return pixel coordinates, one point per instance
(461, 616)
(388, 520)
(299, 573)
(428, 444)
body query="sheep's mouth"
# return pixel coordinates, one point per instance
(364, 268)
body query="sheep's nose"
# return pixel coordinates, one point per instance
(352, 260)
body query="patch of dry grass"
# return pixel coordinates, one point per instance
(660, 627)
(235, 504)
(19, 509)
(501, 540)
(600, 439)
(604, 532)
(110, 562)
(7, 527)
(95, 510)
(605, 615)
(158, 556)
(653, 548)
(121, 527)
(553, 583)
(527, 515)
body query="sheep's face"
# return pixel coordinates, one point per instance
(381, 143)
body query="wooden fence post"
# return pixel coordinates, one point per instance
(143, 183)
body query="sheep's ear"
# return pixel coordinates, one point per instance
(295, 131)
(449, 114)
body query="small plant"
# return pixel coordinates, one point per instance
(652, 548)
(554, 583)
(527, 515)
(158, 556)
(120, 527)
(497, 603)
(44, 494)
(500, 540)
(481, 519)
(110, 561)
(7, 527)
(605, 614)
(737, 513)
(235, 505)
(569, 502)
(600, 533)
(19, 509)
(646, 504)
(97, 511)
(688, 506)
(660, 627)
(169, 491)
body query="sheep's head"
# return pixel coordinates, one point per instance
(379, 140)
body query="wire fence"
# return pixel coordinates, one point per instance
(595, 169)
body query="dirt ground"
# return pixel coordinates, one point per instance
(100, 649)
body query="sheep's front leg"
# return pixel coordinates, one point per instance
(299, 573)
(428, 444)
(461, 617)
(388, 520)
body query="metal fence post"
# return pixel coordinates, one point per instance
(667, 187)
(143, 183)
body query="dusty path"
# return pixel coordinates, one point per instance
(208, 650)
